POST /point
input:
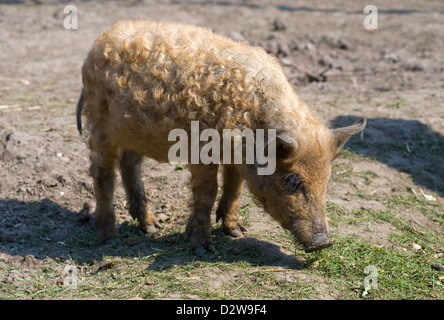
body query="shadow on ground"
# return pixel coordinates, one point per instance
(46, 229)
(408, 146)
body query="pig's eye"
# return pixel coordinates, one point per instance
(292, 182)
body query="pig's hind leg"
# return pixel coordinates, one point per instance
(204, 187)
(229, 202)
(103, 158)
(130, 170)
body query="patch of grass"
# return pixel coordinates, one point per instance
(396, 104)
(399, 275)
(339, 216)
(347, 173)
(431, 209)
(119, 278)
(32, 99)
(402, 271)
(352, 155)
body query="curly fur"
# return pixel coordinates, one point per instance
(154, 77)
(143, 79)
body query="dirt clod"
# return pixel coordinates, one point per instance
(437, 266)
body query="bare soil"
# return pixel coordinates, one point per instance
(393, 76)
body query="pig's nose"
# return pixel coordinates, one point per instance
(320, 241)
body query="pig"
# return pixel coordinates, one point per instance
(142, 79)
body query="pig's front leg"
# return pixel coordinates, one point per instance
(229, 202)
(204, 187)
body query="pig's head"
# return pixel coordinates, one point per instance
(295, 195)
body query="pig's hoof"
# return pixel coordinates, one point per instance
(151, 228)
(202, 250)
(237, 231)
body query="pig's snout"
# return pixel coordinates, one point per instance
(320, 241)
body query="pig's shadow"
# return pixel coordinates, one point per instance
(408, 146)
(46, 229)
(247, 249)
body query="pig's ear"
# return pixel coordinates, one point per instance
(285, 145)
(342, 135)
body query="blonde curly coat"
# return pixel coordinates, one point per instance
(143, 79)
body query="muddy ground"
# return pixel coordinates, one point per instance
(393, 76)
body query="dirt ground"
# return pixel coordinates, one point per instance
(393, 76)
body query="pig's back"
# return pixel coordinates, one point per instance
(160, 76)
